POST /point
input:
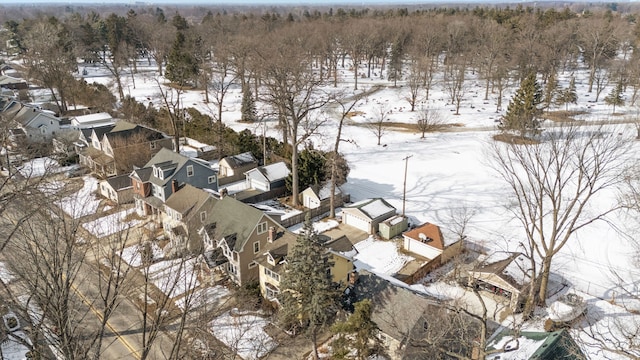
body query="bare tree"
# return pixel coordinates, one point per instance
(553, 183)
(428, 120)
(454, 85)
(172, 99)
(377, 123)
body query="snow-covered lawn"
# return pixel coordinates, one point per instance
(82, 203)
(5, 275)
(210, 298)
(318, 226)
(51, 187)
(380, 257)
(38, 167)
(174, 277)
(243, 334)
(132, 256)
(111, 224)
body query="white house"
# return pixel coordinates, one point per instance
(427, 241)
(267, 178)
(367, 214)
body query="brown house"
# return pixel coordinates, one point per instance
(122, 147)
(242, 232)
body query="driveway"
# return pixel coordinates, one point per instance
(355, 235)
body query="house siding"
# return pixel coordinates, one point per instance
(421, 248)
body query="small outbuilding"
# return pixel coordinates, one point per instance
(367, 214)
(393, 226)
(117, 189)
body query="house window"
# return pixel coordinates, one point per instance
(256, 247)
(203, 216)
(235, 256)
(152, 145)
(262, 227)
(190, 170)
(212, 179)
(252, 264)
(232, 269)
(272, 274)
(271, 293)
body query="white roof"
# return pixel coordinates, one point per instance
(93, 118)
(373, 208)
(273, 172)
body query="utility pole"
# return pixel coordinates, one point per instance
(404, 188)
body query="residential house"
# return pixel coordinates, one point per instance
(267, 178)
(34, 124)
(427, 241)
(169, 172)
(13, 83)
(528, 345)
(507, 274)
(185, 212)
(117, 189)
(404, 318)
(233, 168)
(242, 232)
(316, 196)
(273, 262)
(192, 148)
(367, 214)
(122, 147)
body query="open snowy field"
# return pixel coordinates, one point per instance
(243, 333)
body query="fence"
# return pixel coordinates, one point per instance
(423, 271)
(323, 209)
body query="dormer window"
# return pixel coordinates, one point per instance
(271, 260)
(262, 227)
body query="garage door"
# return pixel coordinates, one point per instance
(355, 221)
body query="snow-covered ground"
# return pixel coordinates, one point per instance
(447, 171)
(111, 224)
(132, 256)
(243, 333)
(209, 298)
(174, 277)
(82, 203)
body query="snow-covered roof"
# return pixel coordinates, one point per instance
(272, 172)
(374, 208)
(513, 266)
(102, 117)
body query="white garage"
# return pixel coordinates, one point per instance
(367, 214)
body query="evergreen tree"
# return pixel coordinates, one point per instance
(523, 111)
(568, 96)
(395, 63)
(248, 109)
(182, 66)
(311, 169)
(550, 90)
(307, 296)
(359, 328)
(615, 97)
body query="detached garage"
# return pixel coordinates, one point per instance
(367, 214)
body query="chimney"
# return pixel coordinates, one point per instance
(224, 192)
(353, 277)
(272, 234)
(174, 186)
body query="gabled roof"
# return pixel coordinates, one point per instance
(119, 182)
(187, 199)
(239, 160)
(271, 172)
(234, 217)
(142, 174)
(430, 232)
(166, 159)
(28, 114)
(373, 208)
(396, 309)
(509, 266)
(10, 80)
(323, 192)
(100, 131)
(166, 156)
(124, 129)
(92, 118)
(11, 109)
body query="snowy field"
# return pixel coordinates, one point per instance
(243, 333)
(82, 203)
(111, 224)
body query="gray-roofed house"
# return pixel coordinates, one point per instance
(242, 232)
(13, 83)
(316, 196)
(268, 178)
(504, 273)
(117, 189)
(367, 214)
(37, 125)
(116, 149)
(232, 168)
(185, 212)
(404, 318)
